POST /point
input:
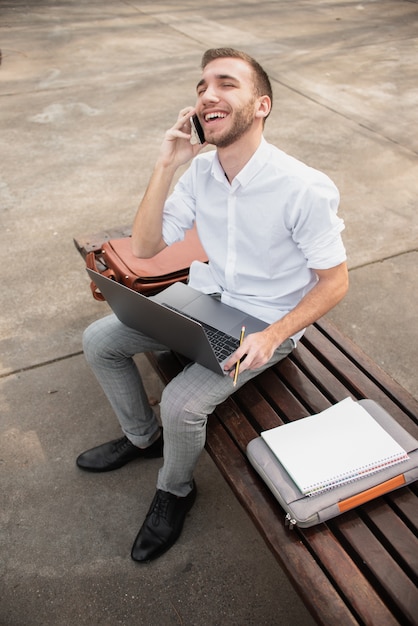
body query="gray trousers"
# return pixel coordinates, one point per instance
(186, 402)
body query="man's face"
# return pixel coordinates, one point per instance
(226, 101)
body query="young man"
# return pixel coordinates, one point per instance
(270, 229)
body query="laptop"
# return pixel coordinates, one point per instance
(196, 325)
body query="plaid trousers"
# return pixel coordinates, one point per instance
(109, 347)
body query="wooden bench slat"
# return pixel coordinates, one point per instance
(251, 399)
(92, 243)
(400, 540)
(370, 368)
(364, 384)
(399, 590)
(361, 386)
(301, 385)
(351, 581)
(274, 387)
(234, 422)
(320, 375)
(404, 502)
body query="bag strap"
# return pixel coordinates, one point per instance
(92, 265)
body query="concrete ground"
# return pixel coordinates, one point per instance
(86, 91)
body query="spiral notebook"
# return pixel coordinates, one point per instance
(337, 446)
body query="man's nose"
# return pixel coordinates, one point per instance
(210, 95)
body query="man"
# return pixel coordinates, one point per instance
(269, 226)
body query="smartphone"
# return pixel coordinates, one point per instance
(197, 131)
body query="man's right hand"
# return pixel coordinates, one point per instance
(176, 149)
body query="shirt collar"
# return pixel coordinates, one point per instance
(254, 165)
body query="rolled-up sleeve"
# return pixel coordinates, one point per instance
(179, 210)
(317, 227)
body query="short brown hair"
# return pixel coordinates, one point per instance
(262, 82)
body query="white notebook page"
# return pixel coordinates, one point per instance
(338, 445)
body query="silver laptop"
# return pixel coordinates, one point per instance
(194, 324)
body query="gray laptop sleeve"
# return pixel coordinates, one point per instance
(306, 511)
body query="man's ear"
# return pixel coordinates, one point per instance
(263, 106)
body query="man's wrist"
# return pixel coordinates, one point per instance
(164, 166)
(276, 334)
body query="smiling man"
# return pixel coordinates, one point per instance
(246, 81)
(270, 229)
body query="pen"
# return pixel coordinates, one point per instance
(241, 339)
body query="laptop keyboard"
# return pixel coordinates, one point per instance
(222, 344)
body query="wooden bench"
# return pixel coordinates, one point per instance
(361, 567)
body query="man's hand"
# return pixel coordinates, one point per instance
(331, 287)
(258, 348)
(176, 149)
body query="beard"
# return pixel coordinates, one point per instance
(242, 122)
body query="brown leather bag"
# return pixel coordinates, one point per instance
(148, 276)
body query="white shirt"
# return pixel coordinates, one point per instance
(264, 234)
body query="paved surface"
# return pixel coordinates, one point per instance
(86, 91)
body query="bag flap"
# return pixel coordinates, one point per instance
(172, 260)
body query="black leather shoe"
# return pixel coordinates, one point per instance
(117, 453)
(162, 526)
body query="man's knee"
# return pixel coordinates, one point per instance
(97, 340)
(89, 343)
(170, 405)
(179, 411)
